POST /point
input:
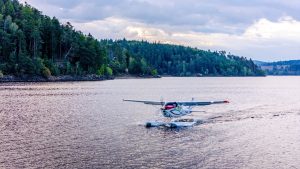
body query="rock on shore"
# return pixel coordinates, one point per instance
(65, 78)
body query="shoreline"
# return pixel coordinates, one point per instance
(68, 78)
(91, 77)
(64, 78)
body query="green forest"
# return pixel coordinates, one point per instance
(38, 45)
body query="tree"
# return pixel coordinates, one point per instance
(36, 44)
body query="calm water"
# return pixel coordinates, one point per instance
(86, 124)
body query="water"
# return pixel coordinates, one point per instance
(87, 125)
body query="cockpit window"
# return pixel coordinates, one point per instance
(172, 105)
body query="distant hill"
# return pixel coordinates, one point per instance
(290, 67)
(259, 63)
(179, 60)
(35, 44)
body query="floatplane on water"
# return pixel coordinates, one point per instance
(175, 110)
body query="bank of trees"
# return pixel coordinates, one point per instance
(34, 44)
(179, 60)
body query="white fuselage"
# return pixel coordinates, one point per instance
(176, 111)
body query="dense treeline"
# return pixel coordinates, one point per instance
(32, 43)
(35, 44)
(179, 60)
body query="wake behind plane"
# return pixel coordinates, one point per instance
(175, 110)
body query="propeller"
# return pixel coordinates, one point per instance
(162, 101)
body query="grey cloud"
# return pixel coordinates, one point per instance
(228, 17)
(211, 15)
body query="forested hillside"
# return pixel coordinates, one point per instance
(290, 67)
(179, 60)
(34, 44)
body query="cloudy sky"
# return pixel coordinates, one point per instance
(267, 30)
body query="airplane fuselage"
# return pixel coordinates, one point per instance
(175, 110)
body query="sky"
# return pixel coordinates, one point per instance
(266, 30)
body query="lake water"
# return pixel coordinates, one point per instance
(87, 125)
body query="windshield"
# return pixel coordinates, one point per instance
(170, 106)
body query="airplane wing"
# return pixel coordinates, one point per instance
(193, 103)
(146, 102)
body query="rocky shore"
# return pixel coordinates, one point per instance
(64, 78)
(68, 78)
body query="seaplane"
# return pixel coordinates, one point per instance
(173, 111)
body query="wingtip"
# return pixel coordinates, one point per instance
(226, 101)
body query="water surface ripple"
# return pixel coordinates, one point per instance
(86, 124)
